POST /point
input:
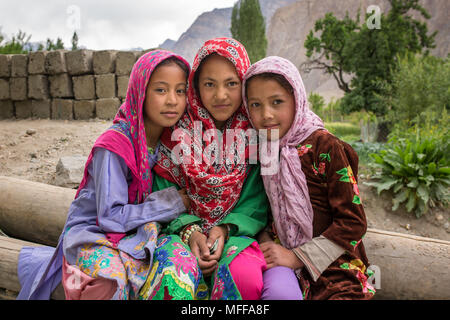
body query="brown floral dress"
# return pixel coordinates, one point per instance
(331, 167)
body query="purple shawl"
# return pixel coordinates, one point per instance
(287, 189)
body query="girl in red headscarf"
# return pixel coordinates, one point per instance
(214, 239)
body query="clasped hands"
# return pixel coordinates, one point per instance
(200, 246)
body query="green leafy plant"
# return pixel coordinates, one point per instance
(344, 130)
(365, 149)
(415, 170)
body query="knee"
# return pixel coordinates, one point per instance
(249, 282)
(280, 283)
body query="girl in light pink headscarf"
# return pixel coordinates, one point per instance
(318, 219)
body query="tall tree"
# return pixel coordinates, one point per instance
(74, 41)
(249, 28)
(368, 55)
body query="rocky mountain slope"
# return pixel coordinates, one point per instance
(214, 24)
(289, 22)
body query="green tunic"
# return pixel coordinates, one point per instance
(247, 218)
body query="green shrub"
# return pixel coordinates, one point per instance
(419, 84)
(317, 103)
(416, 171)
(344, 130)
(364, 149)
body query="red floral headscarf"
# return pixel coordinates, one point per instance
(214, 189)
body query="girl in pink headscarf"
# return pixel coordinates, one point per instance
(318, 218)
(106, 248)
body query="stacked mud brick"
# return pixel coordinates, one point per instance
(62, 84)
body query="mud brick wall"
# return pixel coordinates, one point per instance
(63, 84)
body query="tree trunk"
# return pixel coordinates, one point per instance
(33, 211)
(9, 258)
(406, 266)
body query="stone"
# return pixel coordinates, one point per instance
(4, 89)
(124, 62)
(107, 108)
(61, 86)
(84, 87)
(30, 132)
(23, 109)
(70, 171)
(79, 62)
(84, 109)
(41, 109)
(19, 65)
(122, 86)
(36, 62)
(5, 65)
(105, 85)
(38, 87)
(62, 109)
(55, 62)
(6, 109)
(104, 61)
(18, 88)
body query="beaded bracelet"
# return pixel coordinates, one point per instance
(187, 232)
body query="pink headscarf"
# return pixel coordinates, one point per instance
(126, 137)
(287, 189)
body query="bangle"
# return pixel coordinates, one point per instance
(227, 226)
(187, 232)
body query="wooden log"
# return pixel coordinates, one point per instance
(409, 267)
(9, 258)
(33, 211)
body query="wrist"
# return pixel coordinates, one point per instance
(296, 262)
(226, 230)
(188, 231)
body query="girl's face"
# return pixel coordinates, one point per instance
(165, 99)
(270, 106)
(219, 88)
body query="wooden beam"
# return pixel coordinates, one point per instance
(9, 258)
(33, 211)
(409, 267)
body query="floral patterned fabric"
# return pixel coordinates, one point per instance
(103, 259)
(175, 274)
(331, 167)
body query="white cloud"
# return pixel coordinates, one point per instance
(105, 24)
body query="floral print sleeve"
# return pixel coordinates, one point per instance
(337, 164)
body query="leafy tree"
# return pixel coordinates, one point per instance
(362, 59)
(54, 46)
(421, 85)
(317, 102)
(16, 45)
(248, 27)
(74, 41)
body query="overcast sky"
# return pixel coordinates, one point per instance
(103, 24)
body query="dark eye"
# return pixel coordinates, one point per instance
(181, 91)
(209, 84)
(277, 101)
(254, 104)
(233, 83)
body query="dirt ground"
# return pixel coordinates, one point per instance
(34, 157)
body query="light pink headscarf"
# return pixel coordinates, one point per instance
(287, 189)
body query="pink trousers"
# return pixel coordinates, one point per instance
(79, 286)
(247, 270)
